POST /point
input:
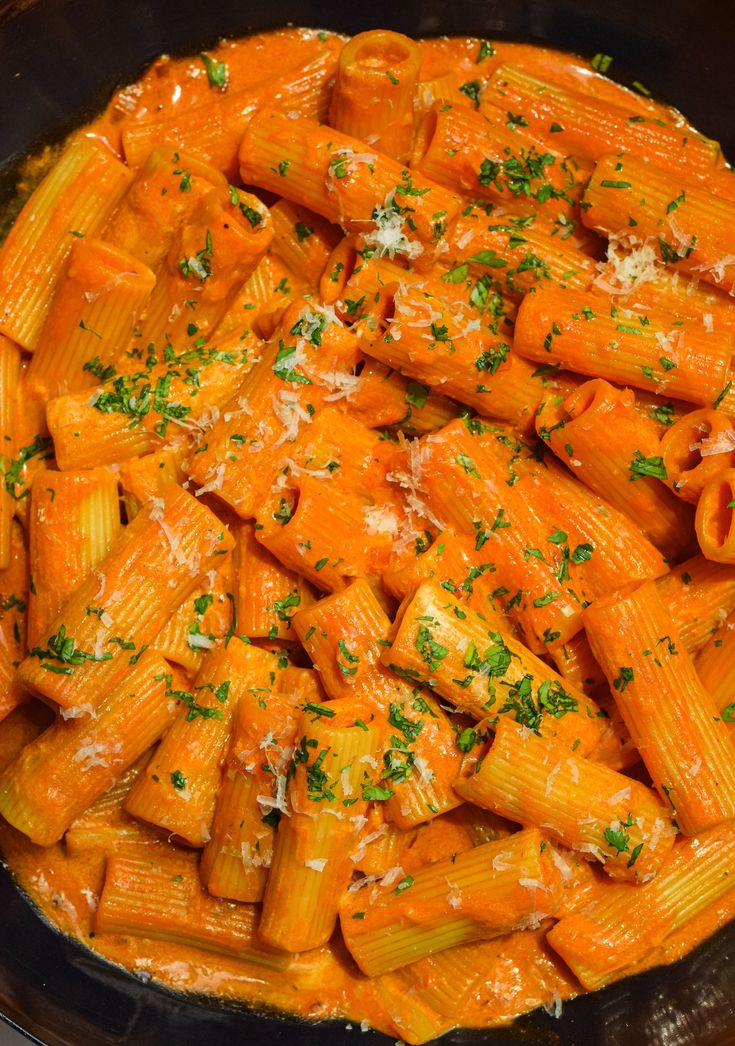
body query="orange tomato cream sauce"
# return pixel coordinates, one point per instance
(398, 690)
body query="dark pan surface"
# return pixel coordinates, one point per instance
(59, 61)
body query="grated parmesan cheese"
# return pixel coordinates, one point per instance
(277, 801)
(629, 264)
(723, 443)
(290, 413)
(388, 237)
(214, 480)
(716, 269)
(316, 864)
(95, 753)
(380, 520)
(77, 711)
(531, 884)
(394, 873)
(501, 862)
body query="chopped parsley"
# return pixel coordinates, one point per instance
(216, 72)
(643, 466)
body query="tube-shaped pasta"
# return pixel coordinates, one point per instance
(134, 413)
(715, 666)
(77, 759)
(695, 449)
(714, 518)
(411, 1018)
(484, 671)
(334, 175)
(380, 844)
(447, 87)
(571, 329)
(344, 636)
(299, 683)
(74, 199)
(32, 449)
(444, 983)
(267, 594)
(14, 592)
(85, 652)
(578, 75)
(576, 663)
(160, 898)
(490, 890)
(166, 190)
(311, 864)
(590, 126)
(319, 531)
(355, 275)
(603, 814)
(303, 239)
(74, 521)
(613, 449)
(439, 344)
(236, 859)
(646, 285)
(478, 155)
(201, 621)
(9, 379)
(21, 727)
(105, 826)
(690, 226)
(420, 762)
(214, 131)
(662, 412)
(622, 552)
(455, 564)
(465, 479)
(177, 790)
(309, 358)
(623, 924)
(212, 254)
(145, 477)
(91, 318)
(516, 254)
(385, 397)
(336, 447)
(672, 720)
(85, 436)
(262, 300)
(699, 595)
(374, 93)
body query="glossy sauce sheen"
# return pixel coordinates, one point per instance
(522, 972)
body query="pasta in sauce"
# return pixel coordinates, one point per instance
(366, 555)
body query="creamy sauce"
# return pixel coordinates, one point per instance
(521, 972)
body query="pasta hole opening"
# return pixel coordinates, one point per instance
(685, 452)
(388, 52)
(720, 514)
(582, 399)
(425, 135)
(387, 311)
(338, 271)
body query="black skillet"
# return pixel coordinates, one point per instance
(59, 61)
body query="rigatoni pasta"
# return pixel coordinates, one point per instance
(360, 415)
(673, 721)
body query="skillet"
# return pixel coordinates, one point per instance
(59, 62)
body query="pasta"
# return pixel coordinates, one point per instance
(367, 548)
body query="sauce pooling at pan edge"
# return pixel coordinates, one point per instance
(366, 563)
